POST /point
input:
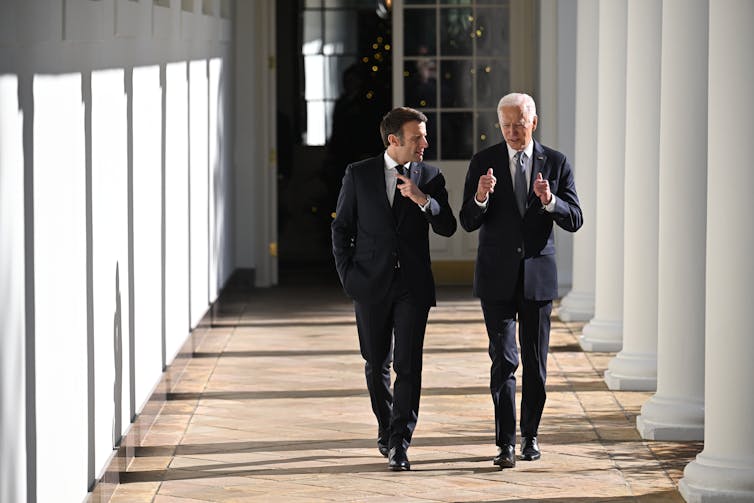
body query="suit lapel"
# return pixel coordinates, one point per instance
(377, 177)
(502, 172)
(539, 159)
(419, 175)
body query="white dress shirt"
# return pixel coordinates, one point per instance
(529, 150)
(391, 179)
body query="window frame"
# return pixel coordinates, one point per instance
(517, 13)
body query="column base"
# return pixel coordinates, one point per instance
(671, 419)
(632, 372)
(709, 479)
(577, 306)
(602, 336)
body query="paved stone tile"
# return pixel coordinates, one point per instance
(267, 402)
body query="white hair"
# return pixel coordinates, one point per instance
(519, 100)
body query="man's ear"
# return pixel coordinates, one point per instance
(534, 124)
(393, 140)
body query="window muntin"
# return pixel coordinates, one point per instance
(338, 35)
(456, 66)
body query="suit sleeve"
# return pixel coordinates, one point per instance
(343, 227)
(471, 215)
(444, 223)
(567, 213)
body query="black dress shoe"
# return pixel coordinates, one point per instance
(530, 449)
(382, 441)
(383, 448)
(398, 460)
(506, 456)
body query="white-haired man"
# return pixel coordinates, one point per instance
(515, 275)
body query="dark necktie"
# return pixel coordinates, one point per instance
(398, 199)
(397, 194)
(519, 187)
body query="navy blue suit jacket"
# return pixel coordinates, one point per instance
(367, 240)
(508, 241)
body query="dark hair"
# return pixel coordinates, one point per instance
(394, 120)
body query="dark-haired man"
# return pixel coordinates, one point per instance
(380, 238)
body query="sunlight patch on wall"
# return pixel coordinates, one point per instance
(147, 220)
(217, 226)
(110, 261)
(176, 208)
(60, 283)
(199, 190)
(12, 294)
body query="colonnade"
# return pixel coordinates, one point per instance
(663, 123)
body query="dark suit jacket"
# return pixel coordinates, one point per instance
(506, 239)
(367, 240)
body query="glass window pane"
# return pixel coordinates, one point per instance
(358, 4)
(419, 2)
(456, 26)
(312, 4)
(312, 43)
(430, 153)
(419, 32)
(492, 82)
(457, 81)
(335, 75)
(329, 109)
(492, 32)
(457, 130)
(314, 71)
(316, 114)
(340, 32)
(455, 2)
(488, 129)
(420, 83)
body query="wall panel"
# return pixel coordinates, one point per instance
(12, 295)
(110, 260)
(60, 287)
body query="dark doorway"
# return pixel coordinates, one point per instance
(334, 69)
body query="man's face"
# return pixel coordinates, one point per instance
(516, 130)
(411, 147)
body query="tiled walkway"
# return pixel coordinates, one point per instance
(272, 406)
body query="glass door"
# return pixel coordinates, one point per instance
(454, 60)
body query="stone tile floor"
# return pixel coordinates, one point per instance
(267, 402)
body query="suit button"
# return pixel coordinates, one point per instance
(518, 250)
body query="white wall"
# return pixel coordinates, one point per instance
(254, 156)
(556, 104)
(115, 221)
(12, 294)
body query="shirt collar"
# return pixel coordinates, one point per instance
(390, 162)
(529, 150)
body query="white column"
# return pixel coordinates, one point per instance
(547, 95)
(605, 331)
(578, 305)
(724, 471)
(676, 411)
(635, 367)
